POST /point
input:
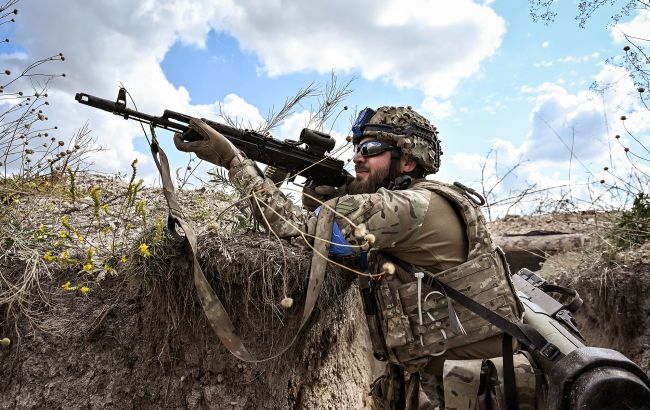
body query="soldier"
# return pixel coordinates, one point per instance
(407, 224)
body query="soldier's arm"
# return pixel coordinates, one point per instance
(271, 207)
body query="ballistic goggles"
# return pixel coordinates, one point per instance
(372, 148)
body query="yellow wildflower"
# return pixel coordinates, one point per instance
(84, 289)
(159, 229)
(57, 244)
(64, 256)
(144, 250)
(107, 268)
(41, 229)
(88, 267)
(81, 238)
(66, 286)
(123, 259)
(63, 235)
(48, 256)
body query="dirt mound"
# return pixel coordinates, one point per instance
(136, 350)
(615, 289)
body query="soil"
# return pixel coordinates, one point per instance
(129, 355)
(145, 343)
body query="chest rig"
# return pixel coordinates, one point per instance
(414, 319)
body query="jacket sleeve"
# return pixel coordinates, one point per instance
(271, 207)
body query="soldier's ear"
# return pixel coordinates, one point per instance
(407, 164)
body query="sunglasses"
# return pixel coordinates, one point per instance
(372, 148)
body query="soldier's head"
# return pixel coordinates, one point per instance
(390, 143)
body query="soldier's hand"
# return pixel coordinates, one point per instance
(210, 146)
(312, 198)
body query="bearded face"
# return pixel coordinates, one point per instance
(368, 178)
(372, 163)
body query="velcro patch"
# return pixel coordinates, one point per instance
(347, 205)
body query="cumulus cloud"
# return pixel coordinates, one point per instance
(420, 44)
(638, 27)
(414, 43)
(435, 109)
(571, 139)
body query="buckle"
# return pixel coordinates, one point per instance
(550, 351)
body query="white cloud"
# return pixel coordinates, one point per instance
(110, 42)
(435, 109)
(405, 43)
(545, 44)
(543, 63)
(578, 59)
(570, 141)
(638, 27)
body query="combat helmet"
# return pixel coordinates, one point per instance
(410, 131)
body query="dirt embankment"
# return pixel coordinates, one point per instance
(128, 346)
(145, 342)
(576, 250)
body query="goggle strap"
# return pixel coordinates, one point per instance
(411, 130)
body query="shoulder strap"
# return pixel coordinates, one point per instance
(526, 334)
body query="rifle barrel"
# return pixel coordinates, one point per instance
(180, 125)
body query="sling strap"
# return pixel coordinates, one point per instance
(212, 306)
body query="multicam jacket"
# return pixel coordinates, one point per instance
(431, 226)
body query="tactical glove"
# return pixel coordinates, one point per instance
(312, 198)
(208, 144)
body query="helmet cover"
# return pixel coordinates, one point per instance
(407, 129)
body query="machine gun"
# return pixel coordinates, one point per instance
(287, 159)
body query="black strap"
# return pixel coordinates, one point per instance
(576, 300)
(509, 380)
(526, 334)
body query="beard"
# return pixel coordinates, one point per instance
(374, 180)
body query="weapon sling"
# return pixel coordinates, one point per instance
(214, 309)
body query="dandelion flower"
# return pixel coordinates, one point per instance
(84, 289)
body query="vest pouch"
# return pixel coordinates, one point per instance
(481, 279)
(396, 326)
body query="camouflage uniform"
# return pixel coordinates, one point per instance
(429, 225)
(417, 225)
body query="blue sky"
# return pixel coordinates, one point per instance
(483, 72)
